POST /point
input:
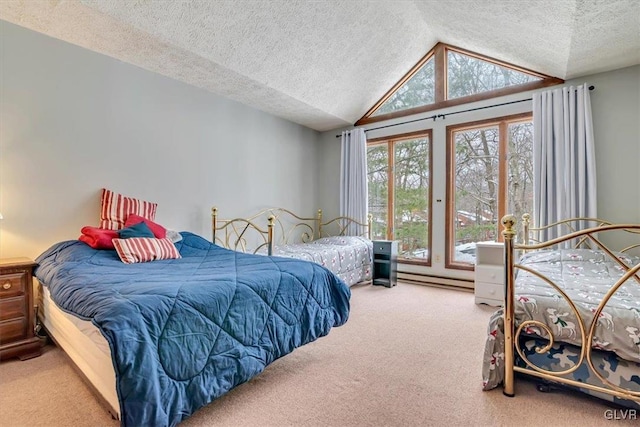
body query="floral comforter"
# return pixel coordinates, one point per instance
(348, 257)
(586, 276)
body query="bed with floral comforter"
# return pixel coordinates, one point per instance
(348, 257)
(586, 276)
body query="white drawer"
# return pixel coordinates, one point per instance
(489, 273)
(489, 291)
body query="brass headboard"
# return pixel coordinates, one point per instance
(341, 225)
(291, 228)
(267, 228)
(282, 227)
(240, 234)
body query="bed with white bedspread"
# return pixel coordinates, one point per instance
(280, 232)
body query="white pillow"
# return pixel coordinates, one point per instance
(174, 236)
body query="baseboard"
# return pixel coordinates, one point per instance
(439, 281)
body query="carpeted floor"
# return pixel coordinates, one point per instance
(408, 356)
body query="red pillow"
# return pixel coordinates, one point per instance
(98, 238)
(159, 232)
(115, 208)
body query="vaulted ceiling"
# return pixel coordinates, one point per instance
(323, 64)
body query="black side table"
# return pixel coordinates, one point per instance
(385, 262)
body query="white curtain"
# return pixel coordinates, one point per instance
(353, 178)
(564, 178)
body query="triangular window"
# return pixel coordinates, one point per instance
(419, 90)
(467, 75)
(448, 76)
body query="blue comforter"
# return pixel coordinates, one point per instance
(183, 332)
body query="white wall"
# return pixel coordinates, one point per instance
(616, 115)
(74, 121)
(615, 105)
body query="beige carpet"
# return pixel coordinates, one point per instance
(408, 356)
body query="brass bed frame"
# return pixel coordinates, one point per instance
(279, 226)
(583, 237)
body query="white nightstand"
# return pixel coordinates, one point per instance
(489, 277)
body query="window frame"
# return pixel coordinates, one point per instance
(502, 123)
(390, 141)
(439, 53)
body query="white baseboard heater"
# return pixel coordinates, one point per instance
(426, 279)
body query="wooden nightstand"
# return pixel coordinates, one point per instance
(17, 338)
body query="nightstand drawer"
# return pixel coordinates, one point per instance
(12, 285)
(382, 248)
(489, 273)
(12, 308)
(489, 290)
(11, 330)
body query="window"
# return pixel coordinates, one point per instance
(489, 174)
(399, 178)
(418, 91)
(467, 76)
(489, 163)
(448, 76)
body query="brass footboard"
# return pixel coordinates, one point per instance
(591, 237)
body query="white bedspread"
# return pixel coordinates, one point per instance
(349, 257)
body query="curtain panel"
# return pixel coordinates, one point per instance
(353, 178)
(564, 181)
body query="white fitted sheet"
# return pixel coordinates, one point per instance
(83, 342)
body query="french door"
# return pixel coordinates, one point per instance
(489, 174)
(399, 175)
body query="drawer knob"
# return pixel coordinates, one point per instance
(6, 286)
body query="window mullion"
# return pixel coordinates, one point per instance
(503, 166)
(440, 73)
(391, 185)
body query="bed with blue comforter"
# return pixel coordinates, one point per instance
(183, 332)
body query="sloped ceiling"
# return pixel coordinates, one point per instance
(323, 64)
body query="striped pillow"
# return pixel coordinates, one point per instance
(145, 249)
(116, 208)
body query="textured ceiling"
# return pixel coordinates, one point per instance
(323, 64)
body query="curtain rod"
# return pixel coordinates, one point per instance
(436, 116)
